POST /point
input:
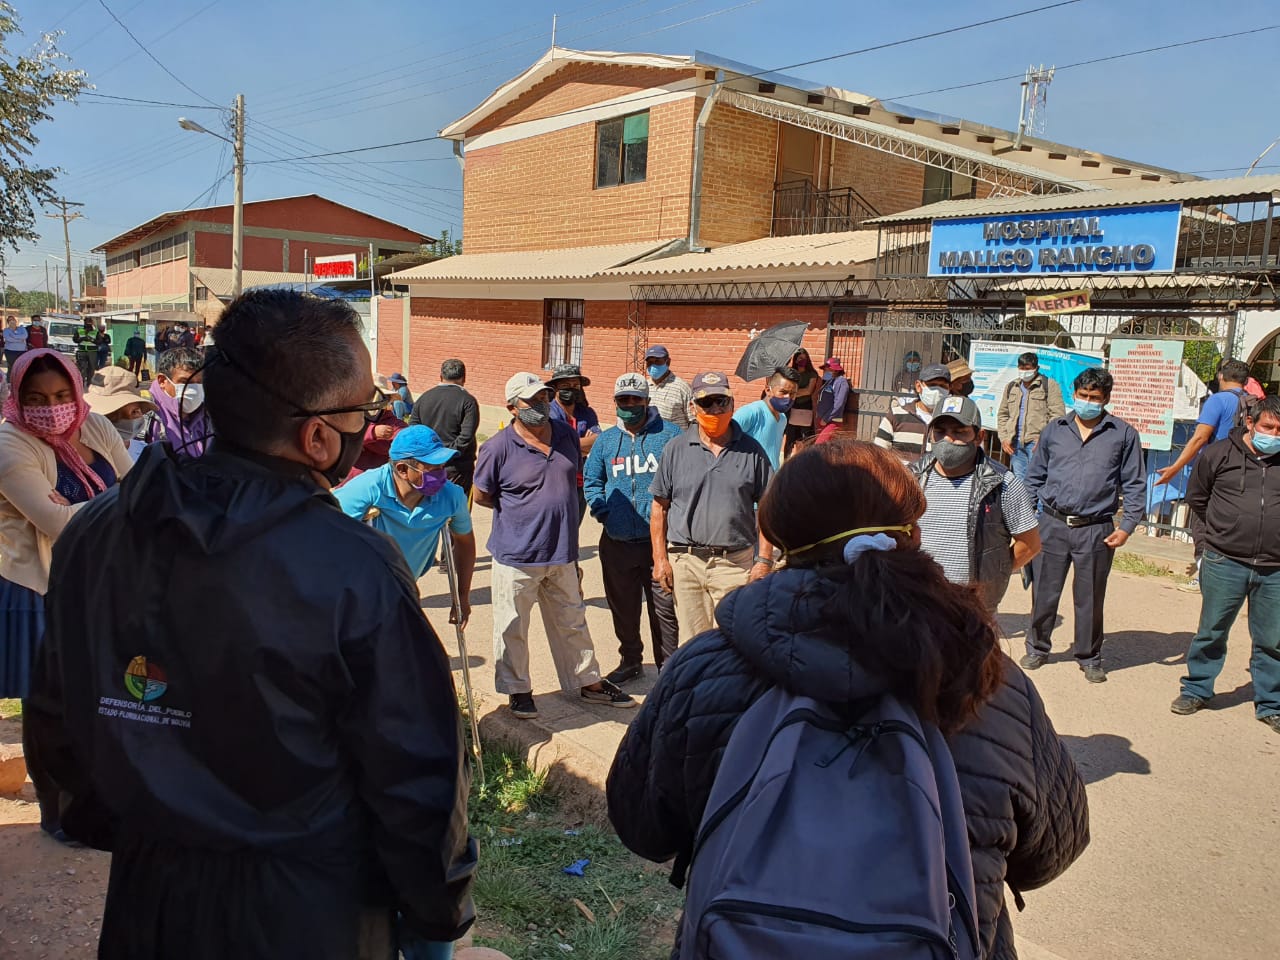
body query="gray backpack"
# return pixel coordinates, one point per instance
(826, 840)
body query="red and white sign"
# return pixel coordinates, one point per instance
(341, 267)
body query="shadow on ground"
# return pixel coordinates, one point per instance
(1103, 755)
(1136, 648)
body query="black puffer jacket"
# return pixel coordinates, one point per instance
(1023, 797)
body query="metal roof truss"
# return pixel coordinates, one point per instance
(1005, 179)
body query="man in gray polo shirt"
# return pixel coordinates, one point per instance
(703, 523)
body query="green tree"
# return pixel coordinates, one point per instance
(447, 246)
(27, 302)
(29, 86)
(91, 276)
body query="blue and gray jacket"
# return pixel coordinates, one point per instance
(617, 475)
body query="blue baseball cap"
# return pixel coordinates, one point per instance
(421, 443)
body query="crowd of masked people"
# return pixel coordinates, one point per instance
(229, 682)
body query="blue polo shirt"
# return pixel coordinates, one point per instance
(535, 497)
(416, 531)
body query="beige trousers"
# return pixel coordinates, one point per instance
(699, 585)
(556, 592)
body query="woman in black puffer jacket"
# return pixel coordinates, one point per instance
(889, 621)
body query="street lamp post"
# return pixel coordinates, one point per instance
(237, 216)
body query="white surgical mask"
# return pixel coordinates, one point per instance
(930, 396)
(1028, 374)
(128, 429)
(191, 395)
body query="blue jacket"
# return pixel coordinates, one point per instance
(616, 478)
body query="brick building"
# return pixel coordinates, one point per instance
(614, 200)
(181, 260)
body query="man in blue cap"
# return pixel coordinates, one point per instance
(411, 500)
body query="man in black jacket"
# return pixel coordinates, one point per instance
(454, 415)
(266, 734)
(1235, 491)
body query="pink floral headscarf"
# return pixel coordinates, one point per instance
(63, 449)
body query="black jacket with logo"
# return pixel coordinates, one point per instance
(1237, 494)
(245, 704)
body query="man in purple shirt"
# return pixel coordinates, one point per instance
(528, 475)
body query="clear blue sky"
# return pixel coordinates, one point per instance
(328, 75)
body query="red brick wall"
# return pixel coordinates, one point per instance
(890, 184)
(391, 336)
(265, 253)
(496, 338)
(540, 193)
(739, 165)
(577, 85)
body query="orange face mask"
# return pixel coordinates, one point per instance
(714, 424)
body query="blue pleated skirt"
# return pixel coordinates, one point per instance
(21, 629)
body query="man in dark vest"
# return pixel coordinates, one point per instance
(980, 523)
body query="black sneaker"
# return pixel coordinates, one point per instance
(1185, 706)
(608, 694)
(625, 673)
(522, 705)
(1033, 661)
(1095, 674)
(1272, 721)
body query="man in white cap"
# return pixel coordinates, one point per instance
(528, 475)
(113, 392)
(616, 482)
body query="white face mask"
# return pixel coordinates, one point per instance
(930, 396)
(191, 395)
(1028, 374)
(128, 429)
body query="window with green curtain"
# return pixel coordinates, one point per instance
(635, 129)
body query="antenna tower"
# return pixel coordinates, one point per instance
(1035, 101)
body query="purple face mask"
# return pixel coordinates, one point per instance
(431, 483)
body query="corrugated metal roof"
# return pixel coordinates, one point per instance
(219, 280)
(1162, 281)
(1199, 190)
(813, 250)
(562, 263)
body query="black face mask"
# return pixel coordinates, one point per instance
(568, 396)
(348, 454)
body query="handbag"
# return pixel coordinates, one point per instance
(800, 418)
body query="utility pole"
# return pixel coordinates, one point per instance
(66, 219)
(237, 222)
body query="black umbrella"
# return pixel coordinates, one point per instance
(770, 350)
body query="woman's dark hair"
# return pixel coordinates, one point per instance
(932, 640)
(800, 352)
(45, 364)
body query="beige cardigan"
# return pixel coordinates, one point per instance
(29, 520)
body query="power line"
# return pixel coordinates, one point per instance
(1087, 63)
(149, 103)
(182, 83)
(99, 74)
(758, 73)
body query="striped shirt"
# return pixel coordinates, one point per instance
(903, 431)
(944, 528)
(672, 398)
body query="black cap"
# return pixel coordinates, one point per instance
(935, 371)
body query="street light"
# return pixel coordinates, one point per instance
(237, 218)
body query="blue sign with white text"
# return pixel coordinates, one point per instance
(1128, 240)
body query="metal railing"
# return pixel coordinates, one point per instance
(800, 208)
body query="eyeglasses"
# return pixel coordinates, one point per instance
(715, 404)
(371, 410)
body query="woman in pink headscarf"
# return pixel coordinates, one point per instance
(55, 456)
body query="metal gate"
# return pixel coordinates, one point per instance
(872, 343)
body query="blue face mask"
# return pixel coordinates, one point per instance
(1266, 443)
(913, 366)
(658, 372)
(781, 404)
(1086, 410)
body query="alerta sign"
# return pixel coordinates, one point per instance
(1127, 240)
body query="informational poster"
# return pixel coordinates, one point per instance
(1146, 386)
(995, 366)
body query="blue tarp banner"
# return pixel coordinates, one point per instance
(995, 366)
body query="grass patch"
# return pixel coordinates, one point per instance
(10, 709)
(525, 900)
(1135, 563)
